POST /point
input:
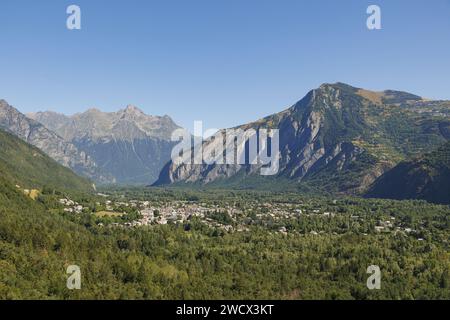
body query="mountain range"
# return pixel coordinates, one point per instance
(129, 145)
(124, 147)
(36, 134)
(337, 139)
(330, 133)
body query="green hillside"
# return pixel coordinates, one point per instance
(193, 262)
(427, 178)
(29, 168)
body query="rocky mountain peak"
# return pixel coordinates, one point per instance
(128, 144)
(133, 113)
(93, 110)
(133, 109)
(334, 132)
(326, 96)
(337, 86)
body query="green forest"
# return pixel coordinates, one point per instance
(191, 261)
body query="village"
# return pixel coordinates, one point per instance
(227, 216)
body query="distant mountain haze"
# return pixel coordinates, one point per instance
(128, 144)
(97, 124)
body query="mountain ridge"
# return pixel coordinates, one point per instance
(337, 133)
(105, 121)
(425, 177)
(34, 133)
(30, 168)
(128, 144)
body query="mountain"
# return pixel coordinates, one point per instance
(29, 168)
(48, 141)
(427, 177)
(129, 145)
(338, 138)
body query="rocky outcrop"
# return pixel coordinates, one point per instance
(338, 138)
(48, 141)
(129, 145)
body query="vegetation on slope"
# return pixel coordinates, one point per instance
(195, 262)
(427, 178)
(30, 168)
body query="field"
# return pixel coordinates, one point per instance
(102, 214)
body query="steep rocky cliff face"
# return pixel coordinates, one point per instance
(337, 139)
(129, 145)
(48, 141)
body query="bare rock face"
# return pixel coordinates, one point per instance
(337, 138)
(129, 145)
(126, 124)
(53, 145)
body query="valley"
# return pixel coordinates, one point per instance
(223, 245)
(337, 140)
(75, 190)
(285, 213)
(222, 159)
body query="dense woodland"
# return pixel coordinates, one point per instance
(193, 262)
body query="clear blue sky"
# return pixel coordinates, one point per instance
(225, 62)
